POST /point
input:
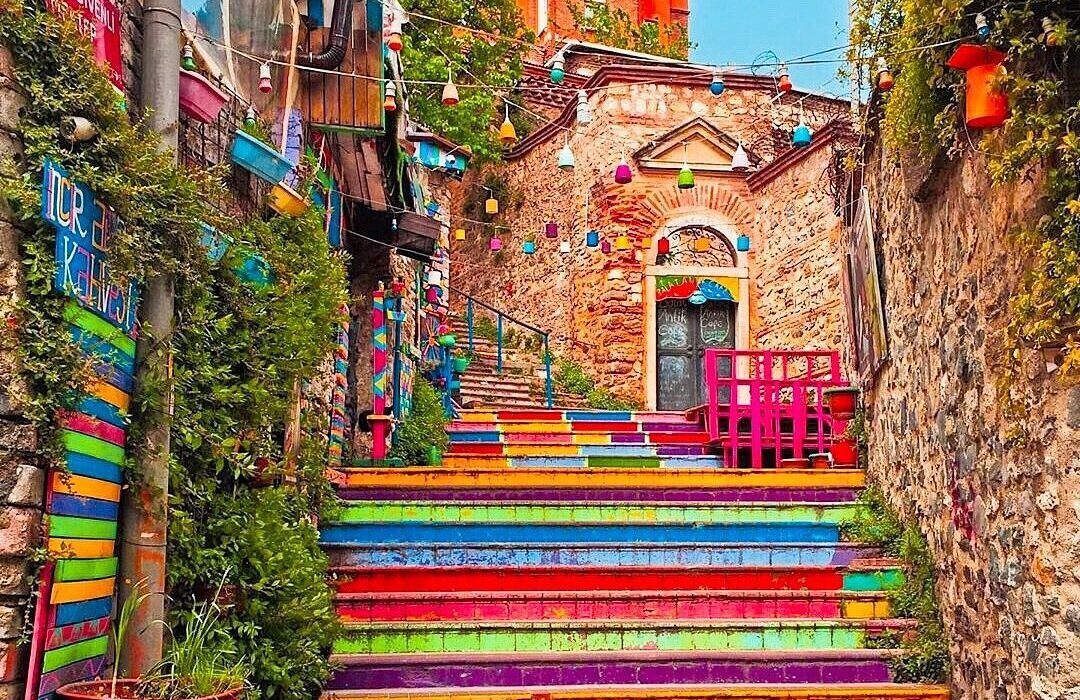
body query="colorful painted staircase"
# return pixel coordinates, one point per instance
(605, 556)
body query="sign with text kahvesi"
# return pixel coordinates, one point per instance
(99, 21)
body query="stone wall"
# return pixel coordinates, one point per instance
(1001, 517)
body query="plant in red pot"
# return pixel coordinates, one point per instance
(195, 666)
(842, 401)
(847, 446)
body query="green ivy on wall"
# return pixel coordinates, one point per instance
(238, 352)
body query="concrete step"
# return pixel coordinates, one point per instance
(611, 605)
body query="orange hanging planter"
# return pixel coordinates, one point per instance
(986, 105)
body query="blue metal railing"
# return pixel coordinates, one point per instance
(470, 320)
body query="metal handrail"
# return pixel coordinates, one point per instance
(470, 301)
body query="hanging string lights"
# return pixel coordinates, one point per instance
(528, 246)
(507, 132)
(605, 246)
(187, 62)
(801, 137)
(584, 111)
(491, 205)
(495, 244)
(702, 244)
(982, 27)
(390, 101)
(558, 70)
(564, 247)
(592, 238)
(551, 229)
(622, 242)
(249, 118)
(686, 175)
(1049, 36)
(740, 161)
(884, 76)
(784, 81)
(623, 175)
(459, 234)
(394, 42)
(663, 246)
(450, 91)
(265, 86)
(566, 156)
(716, 87)
(742, 243)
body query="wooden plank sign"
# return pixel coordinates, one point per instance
(99, 21)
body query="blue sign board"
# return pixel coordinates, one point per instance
(83, 229)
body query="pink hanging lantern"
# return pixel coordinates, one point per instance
(663, 246)
(495, 244)
(623, 174)
(551, 229)
(605, 246)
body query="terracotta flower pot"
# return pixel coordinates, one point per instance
(200, 99)
(126, 689)
(845, 452)
(842, 401)
(795, 463)
(820, 460)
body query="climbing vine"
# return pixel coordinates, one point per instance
(239, 512)
(1039, 139)
(614, 27)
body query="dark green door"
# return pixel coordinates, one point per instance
(683, 332)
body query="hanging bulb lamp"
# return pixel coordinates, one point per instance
(449, 92)
(564, 247)
(528, 247)
(686, 175)
(740, 161)
(592, 238)
(605, 246)
(645, 242)
(784, 82)
(558, 70)
(249, 118)
(507, 132)
(702, 244)
(265, 86)
(986, 106)
(801, 136)
(495, 244)
(623, 175)
(884, 76)
(716, 87)
(1049, 37)
(551, 229)
(434, 277)
(390, 101)
(491, 205)
(622, 242)
(187, 62)
(459, 234)
(663, 246)
(566, 158)
(394, 41)
(584, 110)
(982, 27)
(742, 243)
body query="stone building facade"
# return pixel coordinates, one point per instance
(553, 20)
(610, 312)
(1000, 515)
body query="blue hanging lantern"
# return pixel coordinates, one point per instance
(558, 70)
(982, 27)
(802, 136)
(742, 243)
(716, 87)
(528, 247)
(592, 238)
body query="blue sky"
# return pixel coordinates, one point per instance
(735, 31)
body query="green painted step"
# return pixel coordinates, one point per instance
(85, 569)
(370, 511)
(571, 636)
(81, 528)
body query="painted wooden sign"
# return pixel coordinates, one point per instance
(705, 288)
(84, 227)
(100, 22)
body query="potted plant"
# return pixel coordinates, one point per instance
(194, 667)
(200, 99)
(795, 463)
(821, 460)
(461, 363)
(259, 158)
(845, 451)
(287, 201)
(842, 401)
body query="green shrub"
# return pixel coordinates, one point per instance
(423, 428)
(604, 400)
(571, 378)
(484, 327)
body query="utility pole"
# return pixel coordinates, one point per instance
(145, 508)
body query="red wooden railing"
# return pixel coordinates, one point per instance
(767, 405)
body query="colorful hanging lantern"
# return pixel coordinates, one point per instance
(564, 247)
(986, 105)
(801, 136)
(605, 246)
(491, 205)
(265, 86)
(249, 118)
(434, 277)
(686, 178)
(982, 27)
(558, 70)
(495, 244)
(663, 246)
(397, 287)
(622, 242)
(702, 244)
(742, 243)
(507, 132)
(783, 84)
(592, 238)
(645, 242)
(528, 247)
(394, 41)
(390, 102)
(1049, 36)
(740, 161)
(459, 234)
(188, 60)
(623, 175)
(584, 111)
(566, 158)
(884, 76)
(449, 91)
(551, 229)
(716, 87)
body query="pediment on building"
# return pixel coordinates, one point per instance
(704, 147)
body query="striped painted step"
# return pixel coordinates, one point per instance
(604, 635)
(642, 668)
(497, 449)
(556, 416)
(855, 578)
(471, 461)
(777, 691)
(593, 555)
(603, 495)
(610, 605)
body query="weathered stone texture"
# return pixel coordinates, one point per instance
(1001, 517)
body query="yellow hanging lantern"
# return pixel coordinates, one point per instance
(491, 205)
(507, 132)
(459, 234)
(702, 244)
(622, 242)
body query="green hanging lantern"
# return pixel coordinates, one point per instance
(686, 178)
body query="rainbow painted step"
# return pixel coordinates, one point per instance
(602, 495)
(771, 691)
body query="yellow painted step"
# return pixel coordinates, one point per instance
(674, 692)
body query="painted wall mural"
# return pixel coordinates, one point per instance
(697, 290)
(71, 622)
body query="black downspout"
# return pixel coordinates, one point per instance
(334, 52)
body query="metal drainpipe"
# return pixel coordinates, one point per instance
(334, 52)
(145, 509)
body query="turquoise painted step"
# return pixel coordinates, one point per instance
(461, 637)
(412, 532)
(378, 512)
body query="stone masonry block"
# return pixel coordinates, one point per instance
(13, 577)
(18, 530)
(11, 104)
(16, 436)
(11, 622)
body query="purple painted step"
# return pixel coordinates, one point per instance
(444, 671)
(734, 495)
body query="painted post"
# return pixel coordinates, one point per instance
(448, 377)
(469, 321)
(498, 337)
(379, 420)
(398, 318)
(548, 389)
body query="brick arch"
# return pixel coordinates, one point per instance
(664, 203)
